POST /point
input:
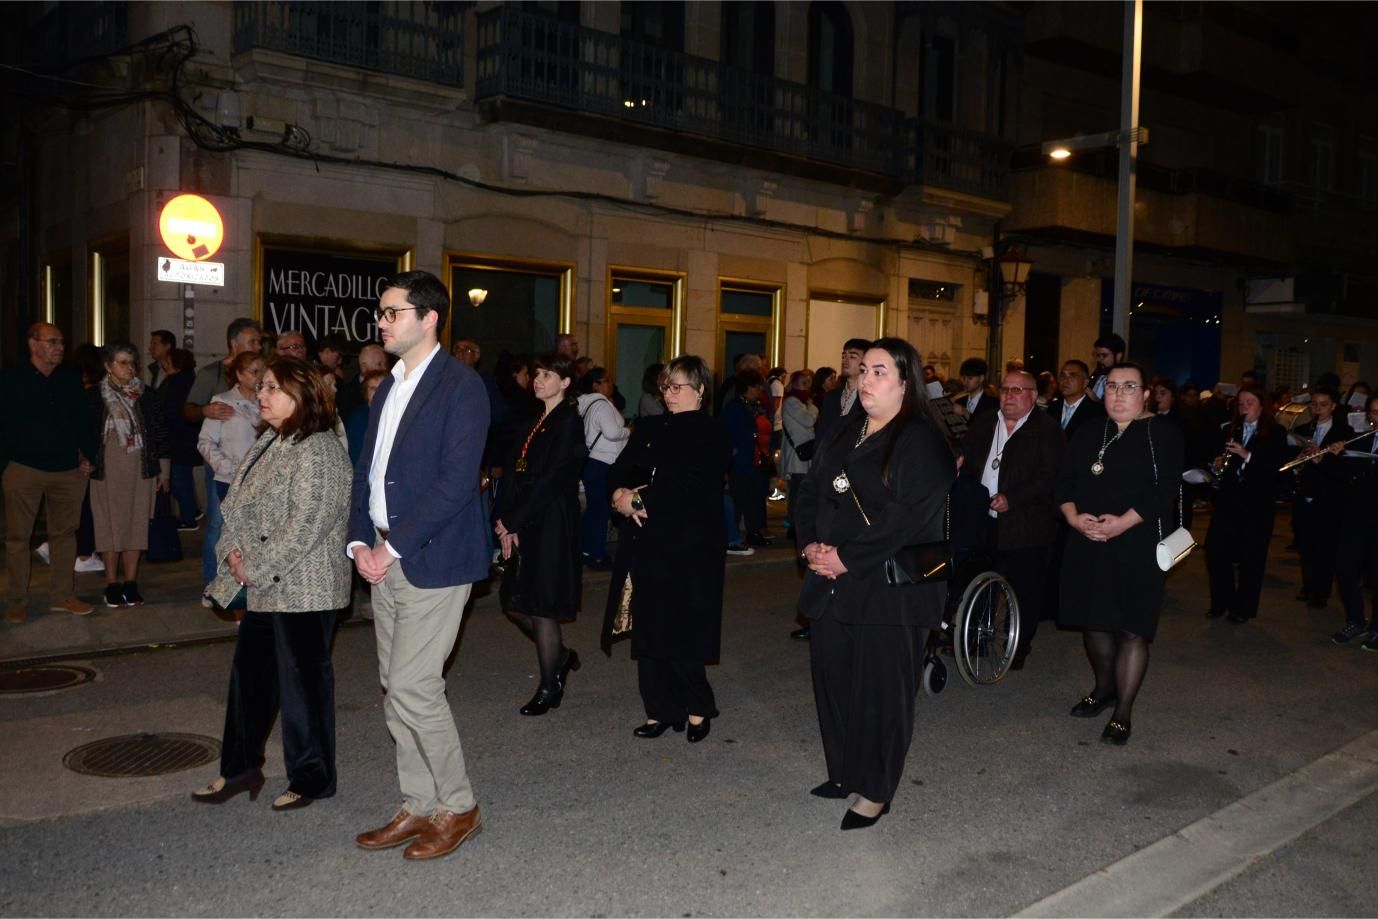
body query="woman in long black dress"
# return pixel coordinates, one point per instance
(1242, 522)
(878, 484)
(541, 524)
(667, 485)
(1118, 492)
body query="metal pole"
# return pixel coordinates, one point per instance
(1129, 157)
(996, 305)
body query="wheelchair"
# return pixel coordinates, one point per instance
(980, 626)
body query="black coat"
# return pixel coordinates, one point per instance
(1028, 470)
(171, 392)
(676, 558)
(1116, 585)
(1248, 491)
(906, 510)
(544, 513)
(1088, 411)
(830, 416)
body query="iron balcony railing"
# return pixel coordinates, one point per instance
(75, 31)
(537, 58)
(957, 159)
(408, 38)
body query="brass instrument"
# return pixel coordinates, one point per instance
(1218, 464)
(1313, 451)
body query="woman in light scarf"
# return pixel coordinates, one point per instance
(134, 460)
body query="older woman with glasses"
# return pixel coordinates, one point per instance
(667, 580)
(283, 549)
(1117, 490)
(134, 461)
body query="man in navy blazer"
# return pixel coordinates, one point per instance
(417, 533)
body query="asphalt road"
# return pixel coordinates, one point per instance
(1006, 800)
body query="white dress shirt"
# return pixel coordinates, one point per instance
(990, 476)
(394, 407)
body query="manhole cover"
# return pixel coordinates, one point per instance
(142, 754)
(45, 678)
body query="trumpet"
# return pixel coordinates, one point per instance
(1312, 451)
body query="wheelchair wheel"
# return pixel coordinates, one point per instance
(986, 629)
(934, 676)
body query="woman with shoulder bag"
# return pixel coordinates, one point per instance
(605, 434)
(540, 524)
(283, 547)
(798, 416)
(878, 486)
(1117, 490)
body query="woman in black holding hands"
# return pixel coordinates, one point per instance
(877, 485)
(1242, 521)
(667, 484)
(1118, 492)
(540, 523)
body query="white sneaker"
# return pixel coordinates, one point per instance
(206, 602)
(42, 552)
(776, 495)
(91, 563)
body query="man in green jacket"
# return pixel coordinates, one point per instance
(47, 436)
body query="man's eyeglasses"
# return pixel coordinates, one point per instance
(1015, 390)
(1128, 389)
(675, 388)
(390, 312)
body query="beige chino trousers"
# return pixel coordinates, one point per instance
(25, 489)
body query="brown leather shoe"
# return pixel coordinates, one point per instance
(404, 827)
(17, 614)
(446, 832)
(74, 606)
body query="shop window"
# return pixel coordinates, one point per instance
(512, 305)
(109, 288)
(748, 323)
(645, 323)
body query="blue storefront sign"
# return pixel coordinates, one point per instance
(1173, 331)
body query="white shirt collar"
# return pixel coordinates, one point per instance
(399, 370)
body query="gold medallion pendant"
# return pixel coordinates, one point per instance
(841, 484)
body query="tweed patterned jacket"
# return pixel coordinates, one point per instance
(286, 512)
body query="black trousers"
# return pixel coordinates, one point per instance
(283, 658)
(1236, 554)
(865, 678)
(1358, 561)
(1318, 541)
(749, 495)
(1026, 569)
(674, 690)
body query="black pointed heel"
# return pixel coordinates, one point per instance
(653, 729)
(854, 821)
(252, 782)
(543, 701)
(572, 662)
(828, 790)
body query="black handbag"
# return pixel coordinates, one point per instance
(805, 450)
(509, 591)
(164, 545)
(921, 563)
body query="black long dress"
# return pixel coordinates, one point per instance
(1116, 586)
(676, 558)
(544, 513)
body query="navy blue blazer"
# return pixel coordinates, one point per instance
(438, 524)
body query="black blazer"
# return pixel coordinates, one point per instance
(1028, 471)
(1250, 489)
(1324, 481)
(987, 403)
(830, 416)
(905, 510)
(1087, 412)
(1361, 483)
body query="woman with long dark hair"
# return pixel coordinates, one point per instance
(1242, 522)
(1117, 491)
(877, 485)
(540, 523)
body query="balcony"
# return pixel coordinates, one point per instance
(72, 32)
(424, 41)
(538, 69)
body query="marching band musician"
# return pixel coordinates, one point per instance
(1320, 494)
(1358, 551)
(1242, 524)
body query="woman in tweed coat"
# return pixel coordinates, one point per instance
(283, 544)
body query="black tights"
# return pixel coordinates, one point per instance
(550, 645)
(1119, 660)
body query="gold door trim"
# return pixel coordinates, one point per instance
(841, 296)
(772, 326)
(565, 271)
(673, 322)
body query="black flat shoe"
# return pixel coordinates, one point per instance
(252, 782)
(543, 701)
(1237, 620)
(828, 790)
(571, 663)
(1116, 732)
(854, 821)
(1090, 706)
(800, 634)
(699, 731)
(655, 728)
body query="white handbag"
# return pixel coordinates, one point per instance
(1179, 542)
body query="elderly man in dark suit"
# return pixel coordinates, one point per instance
(417, 533)
(1015, 453)
(1074, 405)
